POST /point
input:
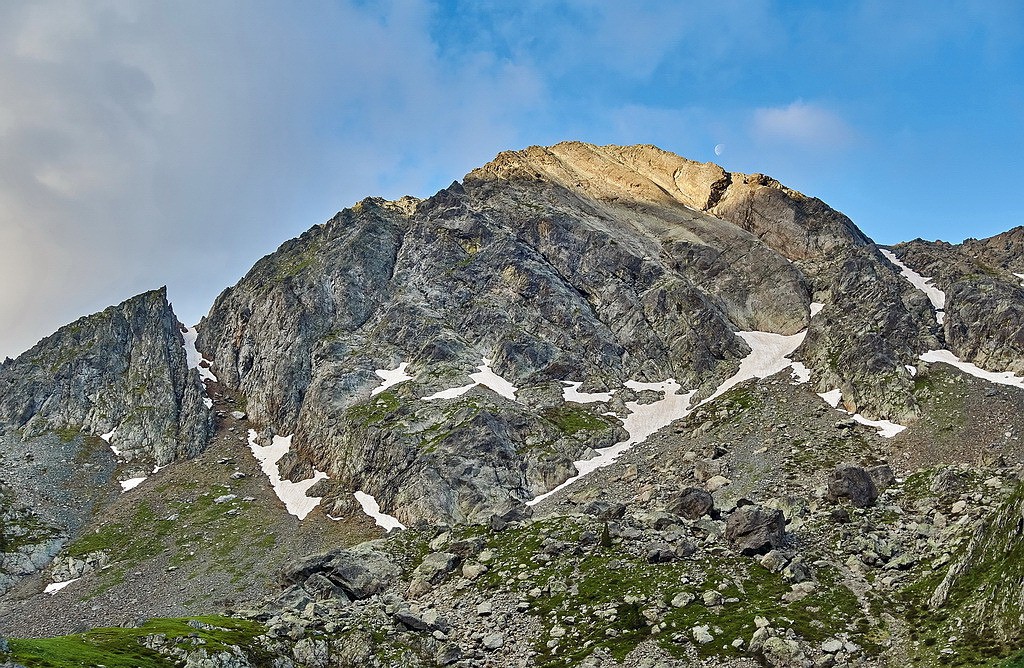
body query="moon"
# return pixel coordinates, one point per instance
(719, 148)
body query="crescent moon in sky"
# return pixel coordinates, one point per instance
(719, 148)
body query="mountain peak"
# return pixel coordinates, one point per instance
(648, 177)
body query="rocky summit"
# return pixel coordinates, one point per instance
(590, 406)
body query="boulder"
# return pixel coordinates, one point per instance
(691, 503)
(605, 510)
(755, 530)
(436, 566)
(882, 476)
(854, 483)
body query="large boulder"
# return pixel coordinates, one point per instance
(691, 503)
(359, 572)
(755, 530)
(854, 483)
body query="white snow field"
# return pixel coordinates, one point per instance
(886, 429)
(832, 397)
(922, 283)
(486, 377)
(109, 435)
(816, 308)
(642, 421)
(391, 377)
(372, 508)
(292, 494)
(131, 483)
(55, 587)
(768, 356)
(1002, 378)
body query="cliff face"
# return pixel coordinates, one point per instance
(122, 370)
(567, 263)
(984, 321)
(121, 375)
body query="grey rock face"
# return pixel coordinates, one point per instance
(123, 369)
(755, 530)
(573, 262)
(873, 325)
(359, 572)
(984, 314)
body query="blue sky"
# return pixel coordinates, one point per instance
(144, 144)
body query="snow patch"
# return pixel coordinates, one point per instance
(832, 397)
(208, 402)
(391, 377)
(131, 483)
(886, 429)
(571, 392)
(372, 508)
(55, 587)
(109, 435)
(642, 421)
(801, 374)
(911, 369)
(1001, 378)
(292, 494)
(193, 357)
(1020, 276)
(816, 308)
(768, 356)
(922, 283)
(486, 377)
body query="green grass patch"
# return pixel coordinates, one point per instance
(571, 418)
(121, 648)
(374, 411)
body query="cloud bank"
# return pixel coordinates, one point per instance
(144, 144)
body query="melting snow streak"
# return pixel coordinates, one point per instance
(55, 587)
(1002, 378)
(195, 360)
(768, 356)
(372, 508)
(391, 378)
(642, 421)
(131, 483)
(486, 377)
(886, 429)
(292, 494)
(936, 296)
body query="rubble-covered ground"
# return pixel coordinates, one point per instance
(764, 529)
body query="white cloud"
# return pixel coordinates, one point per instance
(803, 125)
(144, 144)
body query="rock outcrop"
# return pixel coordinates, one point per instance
(567, 263)
(121, 374)
(124, 371)
(984, 308)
